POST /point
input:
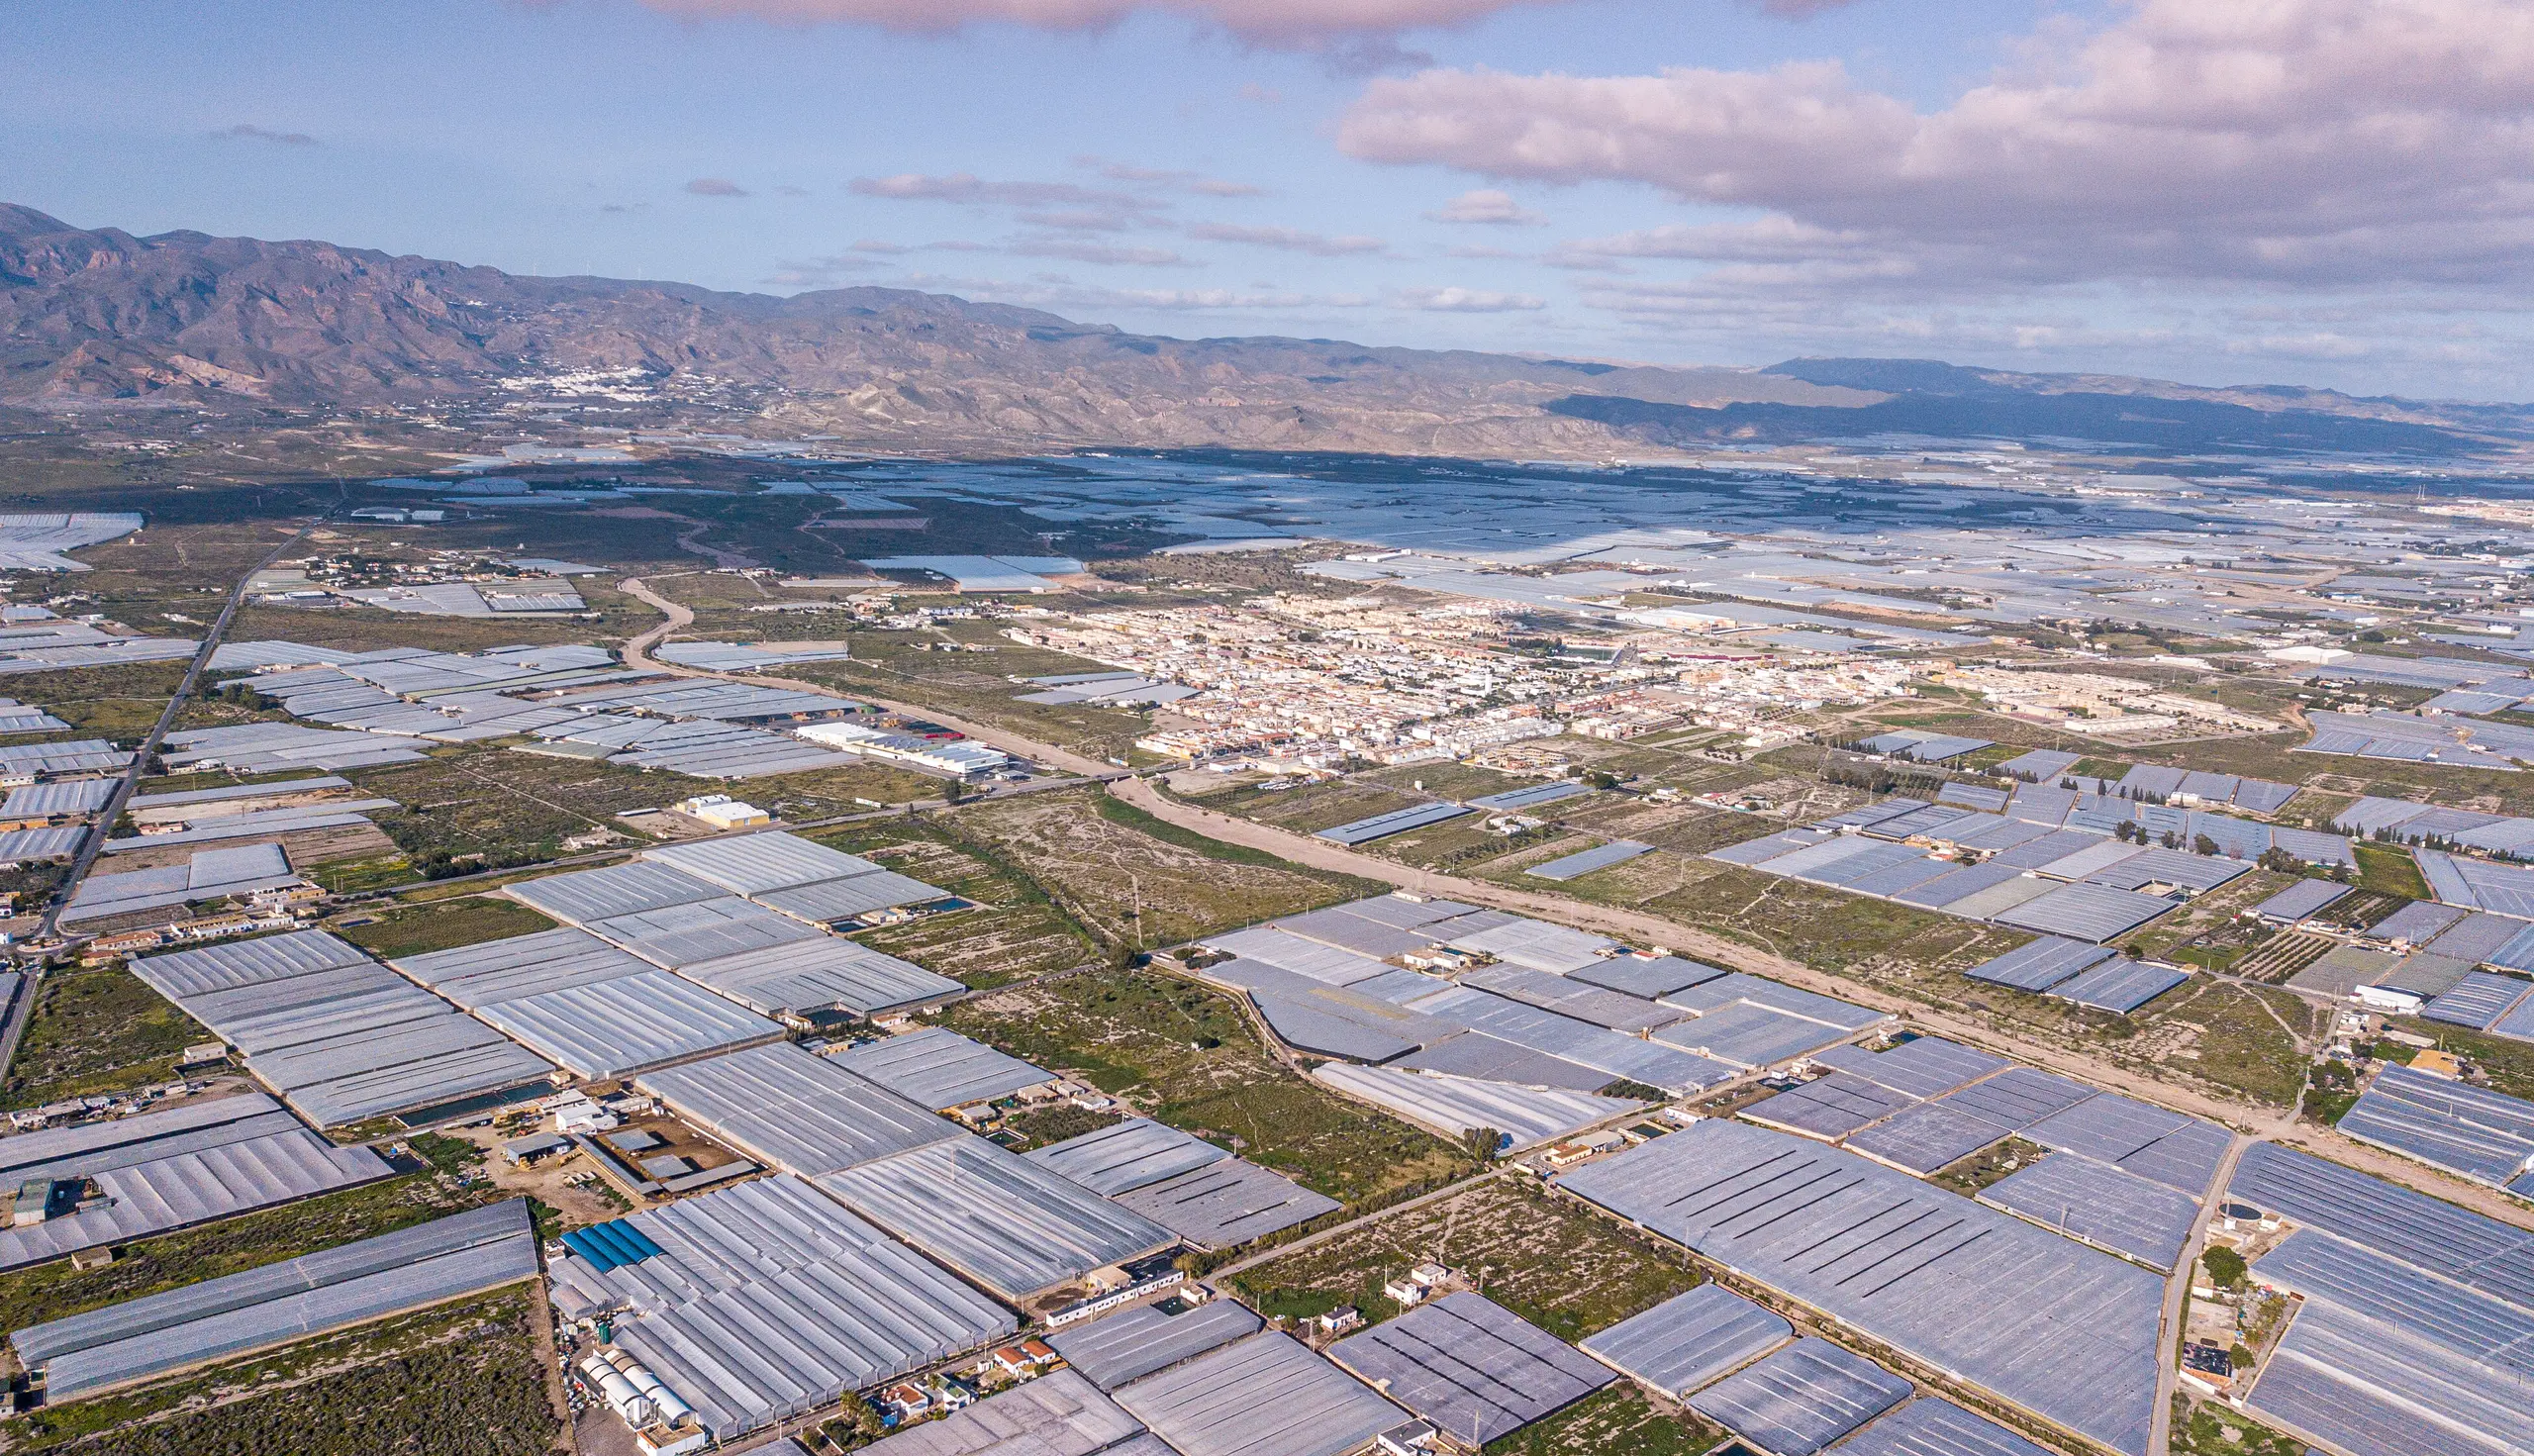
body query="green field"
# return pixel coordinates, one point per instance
(2389, 870)
(2207, 1428)
(119, 703)
(1016, 931)
(466, 920)
(507, 807)
(1187, 1056)
(95, 1029)
(1618, 1421)
(1564, 1269)
(1134, 881)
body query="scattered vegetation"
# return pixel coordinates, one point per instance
(467, 920)
(1018, 932)
(2205, 1428)
(1618, 1421)
(1988, 1165)
(1133, 888)
(1187, 1056)
(95, 1029)
(57, 1289)
(457, 1380)
(1566, 1269)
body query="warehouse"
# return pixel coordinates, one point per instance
(1920, 1067)
(806, 979)
(1226, 1202)
(1135, 1342)
(1126, 1155)
(1690, 1340)
(936, 1067)
(2485, 1136)
(1470, 1366)
(1265, 1392)
(2038, 1320)
(277, 1304)
(628, 1024)
(2098, 1204)
(620, 889)
(2156, 1145)
(342, 1037)
(996, 1217)
(797, 1111)
(766, 1301)
(492, 971)
(210, 874)
(188, 1164)
(1452, 1106)
(1059, 1413)
(1928, 1426)
(673, 935)
(1800, 1398)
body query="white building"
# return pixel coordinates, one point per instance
(956, 759)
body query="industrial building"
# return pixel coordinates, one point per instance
(109, 1183)
(341, 1036)
(1470, 1366)
(1001, 1219)
(237, 1314)
(2041, 1322)
(767, 1300)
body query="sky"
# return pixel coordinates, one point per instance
(2326, 192)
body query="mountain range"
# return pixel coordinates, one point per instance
(98, 319)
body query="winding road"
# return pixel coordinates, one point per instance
(2249, 1126)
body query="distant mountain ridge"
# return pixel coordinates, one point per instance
(100, 319)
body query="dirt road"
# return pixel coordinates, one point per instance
(638, 653)
(1646, 930)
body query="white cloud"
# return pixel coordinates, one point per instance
(2311, 142)
(1487, 206)
(1465, 301)
(1289, 239)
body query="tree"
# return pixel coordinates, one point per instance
(1482, 1143)
(2225, 1267)
(2203, 846)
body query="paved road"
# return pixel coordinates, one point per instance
(637, 654)
(2178, 1290)
(95, 843)
(1647, 930)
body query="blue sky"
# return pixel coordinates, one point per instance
(2201, 190)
